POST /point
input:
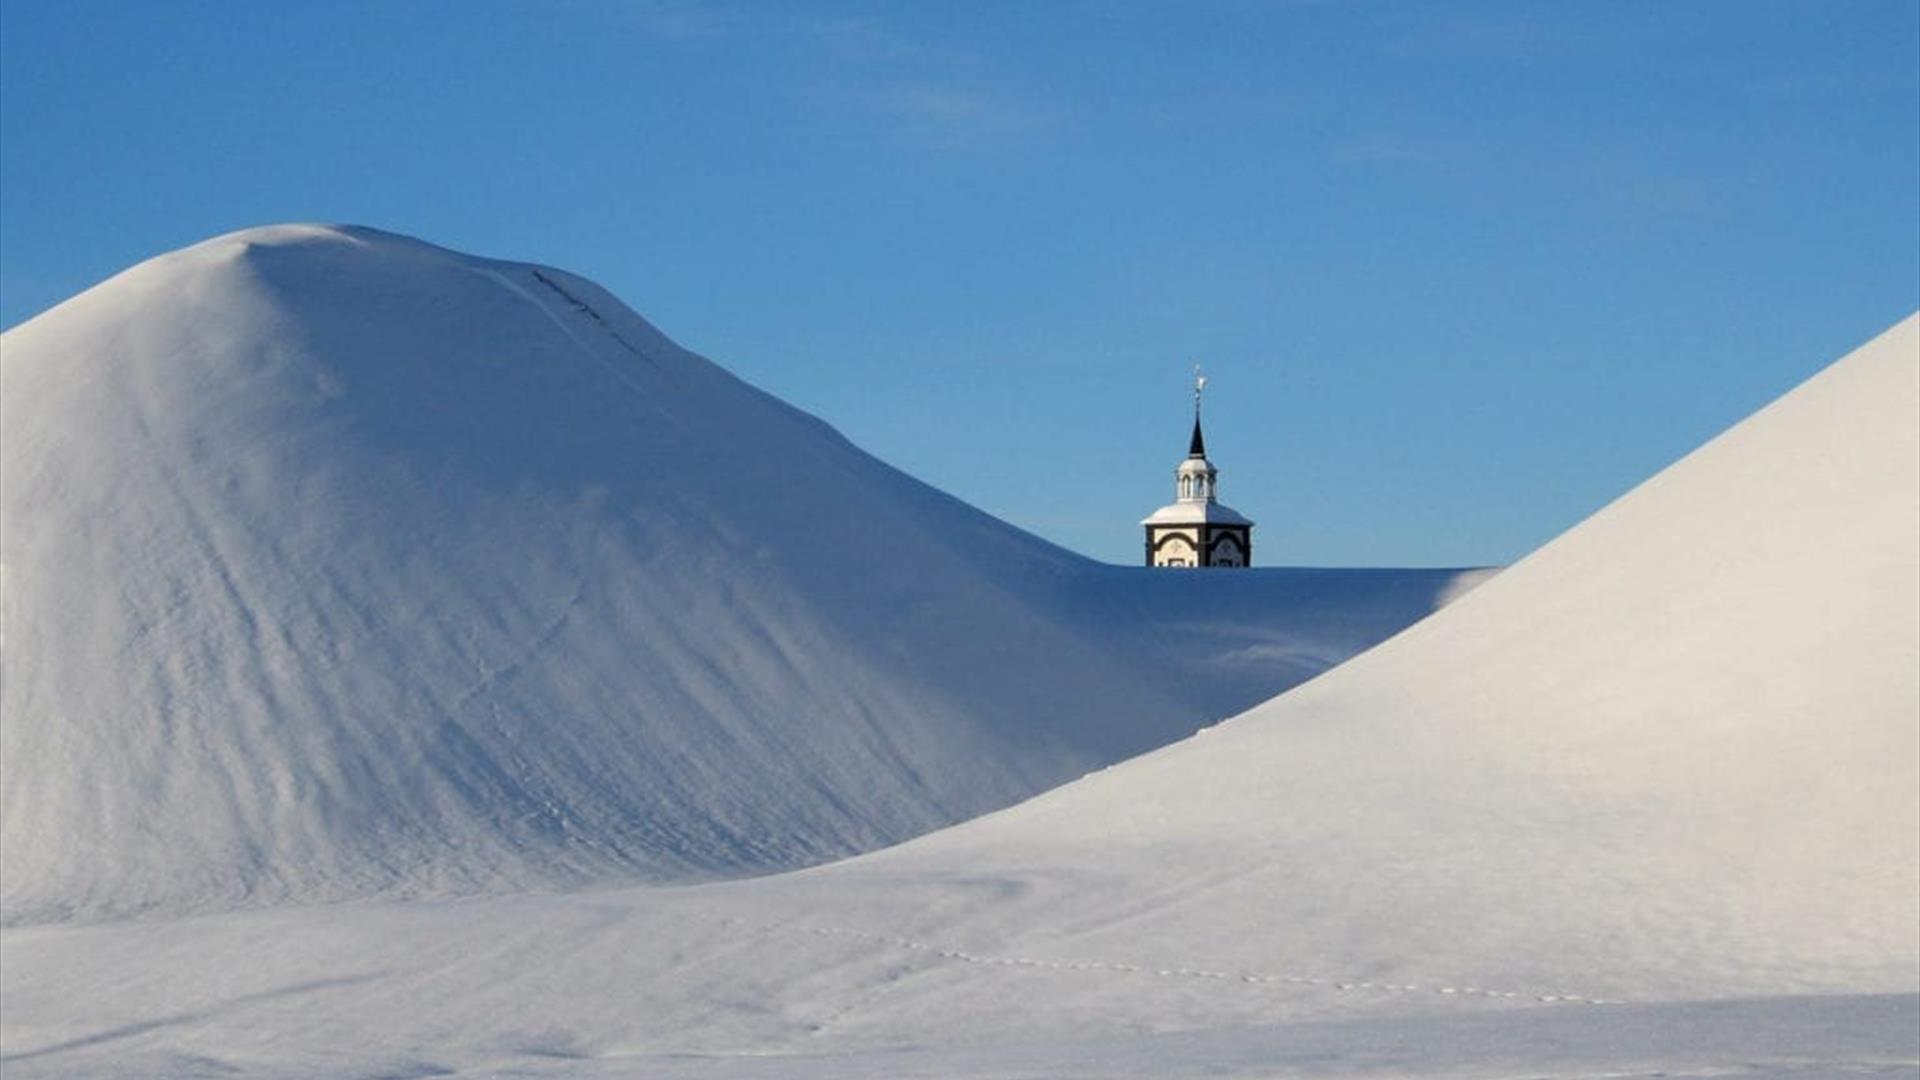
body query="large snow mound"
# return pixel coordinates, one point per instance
(336, 563)
(1642, 805)
(1675, 752)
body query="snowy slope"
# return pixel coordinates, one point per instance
(1644, 804)
(336, 563)
(1676, 752)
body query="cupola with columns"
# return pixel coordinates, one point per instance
(1195, 529)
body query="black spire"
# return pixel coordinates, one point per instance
(1198, 447)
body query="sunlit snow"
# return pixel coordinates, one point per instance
(343, 568)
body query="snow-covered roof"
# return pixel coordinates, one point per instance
(1195, 513)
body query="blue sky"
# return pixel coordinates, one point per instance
(1459, 273)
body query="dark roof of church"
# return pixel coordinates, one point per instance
(1198, 447)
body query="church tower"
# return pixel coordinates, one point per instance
(1195, 530)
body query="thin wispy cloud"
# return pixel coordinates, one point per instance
(949, 118)
(1827, 81)
(869, 72)
(1463, 38)
(849, 36)
(1386, 150)
(671, 21)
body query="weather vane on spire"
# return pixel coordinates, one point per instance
(1199, 384)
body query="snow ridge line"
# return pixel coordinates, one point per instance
(506, 281)
(1345, 986)
(583, 307)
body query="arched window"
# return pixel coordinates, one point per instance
(1228, 551)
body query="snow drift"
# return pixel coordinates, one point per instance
(1644, 804)
(1675, 752)
(336, 563)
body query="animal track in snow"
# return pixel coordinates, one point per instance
(1338, 985)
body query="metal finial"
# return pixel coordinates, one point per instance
(1199, 384)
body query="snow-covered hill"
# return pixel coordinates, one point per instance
(1674, 753)
(1645, 804)
(336, 563)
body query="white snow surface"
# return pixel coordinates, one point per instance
(1644, 804)
(337, 564)
(1195, 513)
(1674, 753)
